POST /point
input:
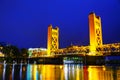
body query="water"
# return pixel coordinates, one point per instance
(58, 72)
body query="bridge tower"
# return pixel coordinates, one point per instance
(52, 39)
(95, 32)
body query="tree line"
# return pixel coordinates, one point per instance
(12, 51)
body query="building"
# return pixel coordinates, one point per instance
(1, 54)
(37, 52)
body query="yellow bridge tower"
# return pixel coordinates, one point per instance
(52, 40)
(95, 32)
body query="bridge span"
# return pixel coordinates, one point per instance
(106, 49)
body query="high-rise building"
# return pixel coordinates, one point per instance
(52, 40)
(95, 32)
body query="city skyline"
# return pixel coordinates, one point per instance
(24, 23)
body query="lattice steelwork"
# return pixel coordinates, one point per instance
(109, 48)
(73, 50)
(105, 49)
(95, 31)
(53, 39)
(96, 44)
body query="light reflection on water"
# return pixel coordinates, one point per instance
(58, 72)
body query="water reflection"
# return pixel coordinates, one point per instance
(73, 72)
(48, 72)
(13, 71)
(21, 71)
(35, 72)
(58, 72)
(100, 73)
(4, 68)
(29, 72)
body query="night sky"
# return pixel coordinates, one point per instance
(24, 23)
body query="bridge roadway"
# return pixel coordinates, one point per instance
(72, 51)
(84, 57)
(53, 59)
(77, 58)
(57, 59)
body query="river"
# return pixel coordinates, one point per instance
(58, 72)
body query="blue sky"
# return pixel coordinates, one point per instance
(24, 22)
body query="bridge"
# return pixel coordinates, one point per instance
(92, 53)
(96, 46)
(105, 49)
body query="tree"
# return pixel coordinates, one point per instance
(24, 52)
(11, 51)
